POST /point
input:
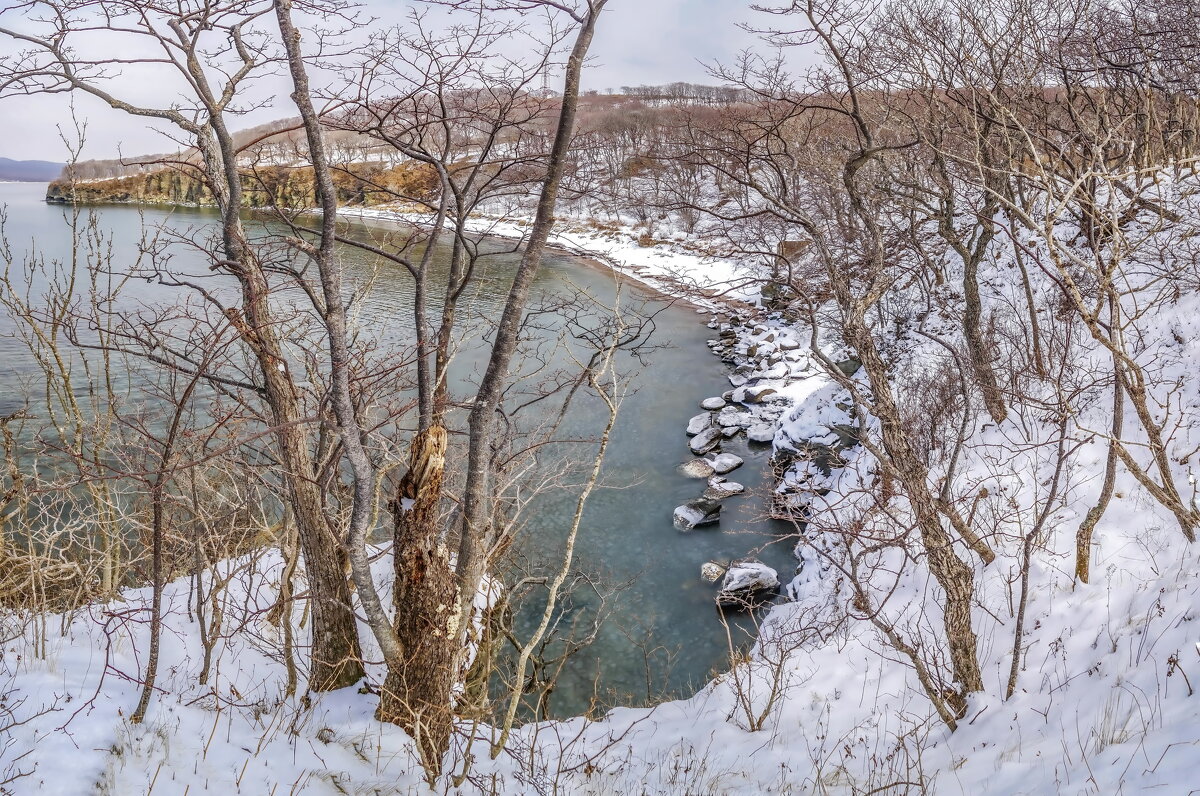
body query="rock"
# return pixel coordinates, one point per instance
(730, 431)
(774, 370)
(701, 511)
(849, 366)
(699, 423)
(697, 468)
(746, 580)
(706, 440)
(737, 380)
(714, 403)
(725, 483)
(719, 489)
(732, 417)
(724, 463)
(711, 572)
(756, 394)
(761, 432)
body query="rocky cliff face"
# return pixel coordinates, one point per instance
(282, 186)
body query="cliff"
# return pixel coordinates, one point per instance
(282, 186)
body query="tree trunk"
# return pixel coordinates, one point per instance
(953, 574)
(336, 654)
(981, 360)
(1083, 536)
(417, 693)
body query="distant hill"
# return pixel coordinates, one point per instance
(29, 170)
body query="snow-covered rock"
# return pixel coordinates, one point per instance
(699, 423)
(714, 403)
(724, 463)
(711, 571)
(758, 393)
(719, 489)
(744, 580)
(700, 511)
(733, 417)
(760, 432)
(706, 440)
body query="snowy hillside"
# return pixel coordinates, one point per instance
(1103, 699)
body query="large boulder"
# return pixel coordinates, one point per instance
(700, 511)
(747, 582)
(706, 440)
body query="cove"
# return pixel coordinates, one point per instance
(662, 636)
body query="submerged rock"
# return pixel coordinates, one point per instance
(697, 468)
(746, 582)
(697, 512)
(706, 440)
(725, 462)
(699, 423)
(711, 571)
(714, 403)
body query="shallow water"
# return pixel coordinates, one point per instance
(663, 636)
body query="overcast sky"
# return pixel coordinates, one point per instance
(637, 42)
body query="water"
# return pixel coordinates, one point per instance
(663, 636)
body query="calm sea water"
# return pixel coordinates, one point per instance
(663, 636)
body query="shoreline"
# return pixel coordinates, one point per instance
(664, 285)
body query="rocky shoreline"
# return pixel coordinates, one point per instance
(778, 396)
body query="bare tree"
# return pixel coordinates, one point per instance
(211, 50)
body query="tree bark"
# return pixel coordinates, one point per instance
(336, 655)
(1083, 536)
(417, 693)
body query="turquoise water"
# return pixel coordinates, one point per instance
(662, 635)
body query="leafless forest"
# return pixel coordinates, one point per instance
(978, 223)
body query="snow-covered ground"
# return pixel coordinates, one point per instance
(1104, 701)
(675, 267)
